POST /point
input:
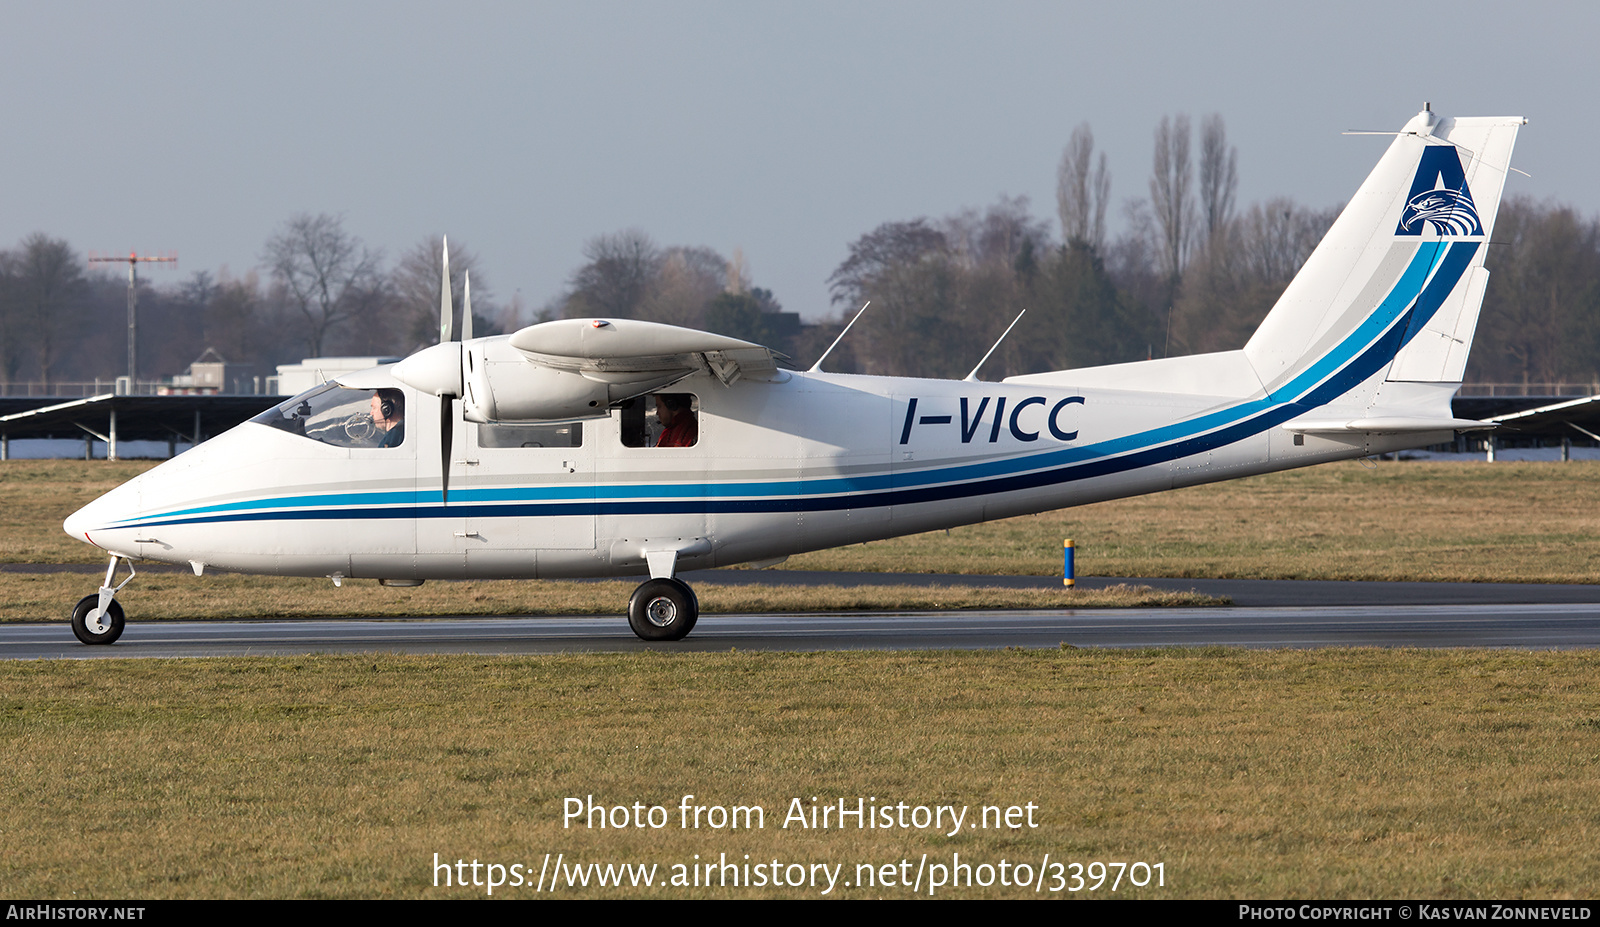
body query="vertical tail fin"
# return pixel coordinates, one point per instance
(1392, 293)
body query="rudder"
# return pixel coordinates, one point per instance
(1393, 290)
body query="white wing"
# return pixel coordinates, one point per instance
(578, 368)
(621, 351)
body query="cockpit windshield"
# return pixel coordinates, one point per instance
(342, 416)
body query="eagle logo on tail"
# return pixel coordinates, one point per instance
(1450, 212)
(1439, 197)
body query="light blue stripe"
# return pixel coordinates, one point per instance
(1400, 299)
(1404, 293)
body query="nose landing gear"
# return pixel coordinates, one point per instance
(98, 618)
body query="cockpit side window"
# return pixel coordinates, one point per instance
(342, 417)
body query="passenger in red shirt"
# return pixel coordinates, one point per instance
(675, 413)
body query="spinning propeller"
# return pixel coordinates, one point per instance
(439, 369)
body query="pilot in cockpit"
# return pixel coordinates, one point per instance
(388, 416)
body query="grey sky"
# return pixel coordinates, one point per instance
(787, 130)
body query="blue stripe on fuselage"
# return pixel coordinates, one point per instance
(1422, 288)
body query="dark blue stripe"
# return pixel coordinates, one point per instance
(1362, 367)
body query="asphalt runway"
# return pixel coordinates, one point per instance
(1266, 613)
(1243, 592)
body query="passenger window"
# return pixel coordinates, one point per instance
(569, 434)
(661, 420)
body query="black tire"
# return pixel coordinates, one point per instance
(80, 621)
(663, 610)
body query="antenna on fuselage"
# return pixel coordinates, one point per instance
(1427, 135)
(817, 367)
(973, 376)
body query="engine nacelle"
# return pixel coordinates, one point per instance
(520, 391)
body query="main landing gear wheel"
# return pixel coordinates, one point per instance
(93, 627)
(663, 610)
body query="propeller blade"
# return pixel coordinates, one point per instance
(444, 290)
(466, 306)
(446, 437)
(447, 403)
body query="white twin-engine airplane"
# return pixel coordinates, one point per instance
(537, 455)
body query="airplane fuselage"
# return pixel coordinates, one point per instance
(811, 461)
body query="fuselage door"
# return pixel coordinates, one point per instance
(531, 507)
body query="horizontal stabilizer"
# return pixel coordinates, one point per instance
(1386, 425)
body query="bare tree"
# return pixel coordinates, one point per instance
(10, 321)
(925, 312)
(1541, 314)
(1219, 174)
(240, 324)
(1277, 236)
(1170, 193)
(325, 272)
(996, 237)
(685, 282)
(1082, 192)
(616, 280)
(48, 294)
(628, 276)
(1236, 275)
(738, 273)
(881, 253)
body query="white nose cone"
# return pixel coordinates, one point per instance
(96, 523)
(77, 525)
(435, 370)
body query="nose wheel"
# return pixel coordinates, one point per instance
(98, 618)
(95, 625)
(663, 610)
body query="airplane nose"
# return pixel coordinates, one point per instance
(113, 521)
(98, 516)
(77, 525)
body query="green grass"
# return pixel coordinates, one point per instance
(36, 496)
(158, 596)
(1405, 520)
(1472, 522)
(1334, 773)
(1313, 774)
